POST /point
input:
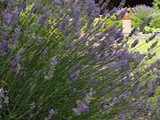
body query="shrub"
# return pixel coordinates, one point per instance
(142, 11)
(136, 21)
(57, 63)
(155, 20)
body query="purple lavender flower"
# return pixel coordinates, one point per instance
(158, 62)
(91, 3)
(36, 8)
(92, 91)
(76, 10)
(151, 93)
(54, 61)
(106, 13)
(84, 108)
(63, 25)
(93, 9)
(123, 80)
(158, 72)
(4, 54)
(4, 45)
(77, 22)
(16, 10)
(134, 30)
(97, 11)
(134, 112)
(114, 10)
(79, 102)
(73, 91)
(103, 105)
(3, 95)
(74, 76)
(91, 49)
(121, 4)
(137, 74)
(147, 107)
(125, 95)
(15, 62)
(124, 64)
(121, 13)
(115, 100)
(42, 19)
(111, 66)
(84, 93)
(39, 40)
(7, 16)
(151, 38)
(17, 58)
(151, 67)
(150, 56)
(122, 117)
(153, 45)
(59, 2)
(145, 23)
(51, 114)
(134, 43)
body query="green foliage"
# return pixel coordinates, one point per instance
(112, 20)
(155, 20)
(135, 21)
(156, 5)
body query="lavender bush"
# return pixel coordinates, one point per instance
(139, 14)
(142, 11)
(57, 62)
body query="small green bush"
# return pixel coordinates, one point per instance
(135, 21)
(142, 11)
(155, 20)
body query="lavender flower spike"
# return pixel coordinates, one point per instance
(51, 114)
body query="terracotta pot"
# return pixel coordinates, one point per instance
(127, 16)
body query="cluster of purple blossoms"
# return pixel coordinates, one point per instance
(15, 62)
(3, 95)
(83, 105)
(134, 43)
(72, 56)
(4, 47)
(51, 114)
(142, 9)
(81, 108)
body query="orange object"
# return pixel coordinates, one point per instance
(127, 16)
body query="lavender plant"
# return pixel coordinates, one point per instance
(142, 11)
(139, 14)
(58, 63)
